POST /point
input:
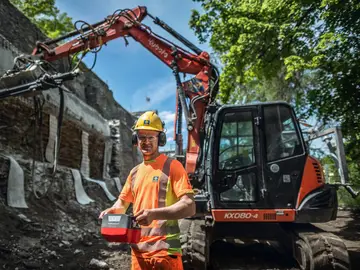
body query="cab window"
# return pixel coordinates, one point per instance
(237, 141)
(282, 139)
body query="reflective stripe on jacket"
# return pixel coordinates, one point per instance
(163, 237)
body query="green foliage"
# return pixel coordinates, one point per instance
(46, 16)
(257, 39)
(344, 197)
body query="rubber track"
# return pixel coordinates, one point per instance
(326, 250)
(194, 243)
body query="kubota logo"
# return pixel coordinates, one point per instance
(157, 48)
(243, 215)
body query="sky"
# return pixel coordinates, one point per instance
(132, 72)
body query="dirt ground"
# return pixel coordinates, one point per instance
(54, 234)
(57, 234)
(347, 226)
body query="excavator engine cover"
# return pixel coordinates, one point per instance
(120, 228)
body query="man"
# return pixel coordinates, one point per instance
(161, 194)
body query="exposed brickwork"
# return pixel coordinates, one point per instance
(4, 169)
(96, 155)
(16, 136)
(127, 156)
(14, 118)
(17, 127)
(70, 147)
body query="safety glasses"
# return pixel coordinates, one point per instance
(143, 138)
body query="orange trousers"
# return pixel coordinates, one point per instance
(157, 263)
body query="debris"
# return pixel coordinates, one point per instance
(23, 217)
(32, 264)
(96, 264)
(77, 251)
(28, 243)
(5, 250)
(24, 254)
(53, 253)
(66, 243)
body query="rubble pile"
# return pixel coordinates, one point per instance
(55, 231)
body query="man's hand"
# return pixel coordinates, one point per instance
(111, 210)
(145, 217)
(119, 207)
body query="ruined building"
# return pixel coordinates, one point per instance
(95, 139)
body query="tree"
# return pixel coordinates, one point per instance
(299, 50)
(305, 52)
(45, 15)
(257, 39)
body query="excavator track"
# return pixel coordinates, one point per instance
(311, 247)
(195, 243)
(315, 249)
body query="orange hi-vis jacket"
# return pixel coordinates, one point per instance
(155, 184)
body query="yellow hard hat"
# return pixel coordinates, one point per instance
(149, 121)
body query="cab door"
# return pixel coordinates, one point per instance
(284, 155)
(236, 166)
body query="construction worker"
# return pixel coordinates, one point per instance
(161, 194)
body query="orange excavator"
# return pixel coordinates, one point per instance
(249, 164)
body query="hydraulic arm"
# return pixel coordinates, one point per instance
(128, 23)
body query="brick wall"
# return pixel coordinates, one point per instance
(96, 155)
(88, 88)
(70, 146)
(17, 137)
(17, 127)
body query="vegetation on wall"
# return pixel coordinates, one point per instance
(45, 15)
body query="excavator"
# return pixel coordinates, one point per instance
(249, 164)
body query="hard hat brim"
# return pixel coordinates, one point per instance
(147, 128)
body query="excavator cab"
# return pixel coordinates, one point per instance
(261, 169)
(258, 157)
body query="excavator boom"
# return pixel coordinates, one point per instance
(128, 23)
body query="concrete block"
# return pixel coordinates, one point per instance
(15, 185)
(118, 183)
(103, 186)
(80, 193)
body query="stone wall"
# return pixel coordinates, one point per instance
(86, 140)
(22, 34)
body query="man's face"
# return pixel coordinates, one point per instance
(148, 141)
